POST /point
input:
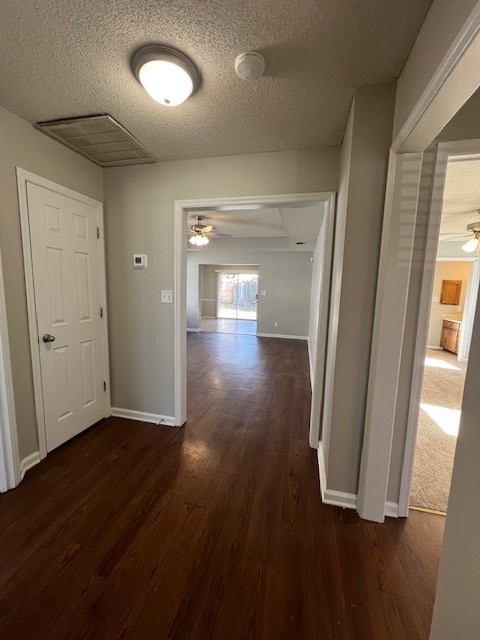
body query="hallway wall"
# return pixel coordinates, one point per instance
(22, 146)
(139, 218)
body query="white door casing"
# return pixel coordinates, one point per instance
(65, 278)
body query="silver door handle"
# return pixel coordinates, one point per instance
(47, 337)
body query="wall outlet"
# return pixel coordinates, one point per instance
(275, 324)
(263, 293)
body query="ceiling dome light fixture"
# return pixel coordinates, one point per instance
(473, 243)
(167, 75)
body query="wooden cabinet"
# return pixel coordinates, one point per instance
(450, 335)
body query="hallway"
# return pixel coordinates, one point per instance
(212, 531)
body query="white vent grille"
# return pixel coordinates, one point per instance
(99, 138)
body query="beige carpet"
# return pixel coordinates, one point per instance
(438, 426)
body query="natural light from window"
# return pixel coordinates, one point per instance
(447, 419)
(440, 364)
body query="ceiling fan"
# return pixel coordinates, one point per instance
(471, 245)
(199, 239)
(200, 232)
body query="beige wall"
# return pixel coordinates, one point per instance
(446, 271)
(139, 218)
(439, 30)
(22, 146)
(360, 208)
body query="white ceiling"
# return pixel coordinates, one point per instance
(461, 198)
(296, 224)
(67, 58)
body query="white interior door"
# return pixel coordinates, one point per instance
(67, 282)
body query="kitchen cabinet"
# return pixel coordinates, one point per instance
(450, 336)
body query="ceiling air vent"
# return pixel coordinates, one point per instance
(99, 138)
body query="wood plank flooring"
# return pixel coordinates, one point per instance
(215, 531)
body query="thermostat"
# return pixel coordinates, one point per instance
(140, 260)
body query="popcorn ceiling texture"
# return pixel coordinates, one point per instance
(67, 58)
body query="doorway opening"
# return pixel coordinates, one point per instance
(453, 283)
(275, 292)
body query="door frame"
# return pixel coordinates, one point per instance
(10, 472)
(181, 208)
(468, 149)
(23, 179)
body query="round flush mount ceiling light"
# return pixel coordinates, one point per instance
(167, 75)
(250, 66)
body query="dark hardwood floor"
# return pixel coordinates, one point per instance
(211, 532)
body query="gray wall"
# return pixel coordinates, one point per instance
(139, 218)
(286, 276)
(440, 27)
(22, 146)
(360, 209)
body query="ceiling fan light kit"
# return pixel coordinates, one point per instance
(472, 244)
(166, 74)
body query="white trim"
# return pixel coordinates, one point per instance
(180, 277)
(10, 474)
(398, 237)
(281, 335)
(193, 330)
(329, 496)
(391, 509)
(435, 347)
(409, 138)
(29, 462)
(469, 308)
(142, 416)
(324, 369)
(24, 178)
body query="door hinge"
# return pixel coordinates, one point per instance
(104, 385)
(98, 233)
(101, 312)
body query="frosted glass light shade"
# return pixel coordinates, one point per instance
(199, 240)
(167, 75)
(166, 82)
(471, 245)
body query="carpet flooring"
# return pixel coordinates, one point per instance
(441, 403)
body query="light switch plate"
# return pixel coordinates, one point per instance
(166, 296)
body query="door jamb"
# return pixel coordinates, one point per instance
(23, 179)
(10, 473)
(180, 280)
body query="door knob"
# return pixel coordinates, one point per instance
(47, 337)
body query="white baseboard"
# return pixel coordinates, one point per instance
(435, 347)
(279, 335)
(142, 416)
(391, 509)
(329, 496)
(29, 462)
(193, 330)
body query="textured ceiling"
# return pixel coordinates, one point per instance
(296, 224)
(67, 58)
(461, 199)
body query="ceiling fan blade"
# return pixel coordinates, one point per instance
(207, 229)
